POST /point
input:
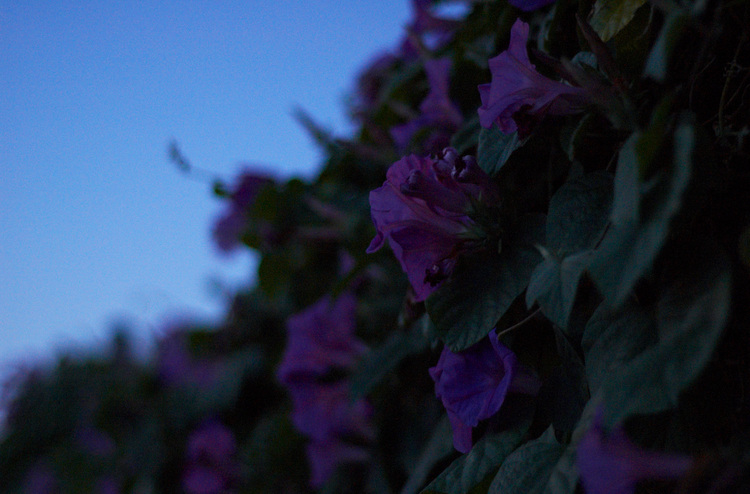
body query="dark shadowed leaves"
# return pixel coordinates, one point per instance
(462, 312)
(495, 147)
(527, 469)
(472, 469)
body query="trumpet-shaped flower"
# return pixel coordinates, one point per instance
(473, 384)
(424, 209)
(229, 228)
(519, 94)
(437, 111)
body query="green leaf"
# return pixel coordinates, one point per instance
(495, 147)
(641, 215)
(658, 60)
(438, 447)
(578, 213)
(485, 456)
(691, 315)
(527, 469)
(612, 339)
(384, 359)
(554, 285)
(610, 16)
(467, 137)
(462, 314)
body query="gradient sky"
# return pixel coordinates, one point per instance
(96, 224)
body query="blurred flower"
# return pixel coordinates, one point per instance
(473, 384)
(229, 228)
(40, 479)
(518, 95)
(424, 208)
(321, 346)
(529, 5)
(211, 466)
(321, 338)
(94, 441)
(437, 110)
(426, 29)
(612, 464)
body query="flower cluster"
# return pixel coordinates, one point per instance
(425, 209)
(320, 343)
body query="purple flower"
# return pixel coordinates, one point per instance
(211, 466)
(424, 208)
(324, 411)
(321, 338)
(426, 29)
(229, 228)
(518, 93)
(473, 384)
(437, 110)
(529, 5)
(612, 464)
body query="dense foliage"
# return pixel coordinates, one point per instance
(528, 271)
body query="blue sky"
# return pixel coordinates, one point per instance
(96, 224)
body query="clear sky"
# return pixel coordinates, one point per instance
(96, 224)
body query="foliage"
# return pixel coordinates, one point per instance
(594, 220)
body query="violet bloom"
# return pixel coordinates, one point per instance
(210, 466)
(426, 29)
(473, 384)
(612, 464)
(40, 479)
(324, 411)
(529, 5)
(424, 209)
(320, 343)
(518, 93)
(229, 228)
(437, 111)
(321, 338)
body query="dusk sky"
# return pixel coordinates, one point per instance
(97, 225)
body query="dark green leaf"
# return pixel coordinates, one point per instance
(467, 137)
(691, 316)
(472, 468)
(578, 213)
(464, 315)
(612, 339)
(527, 469)
(610, 16)
(438, 447)
(495, 147)
(554, 285)
(640, 219)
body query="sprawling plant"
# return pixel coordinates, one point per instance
(527, 271)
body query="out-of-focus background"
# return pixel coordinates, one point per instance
(99, 229)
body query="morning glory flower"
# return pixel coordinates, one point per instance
(424, 209)
(211, 466)
(321, 338)
(473, 384)
(612, 464)
(519, 94)
(437, 111)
